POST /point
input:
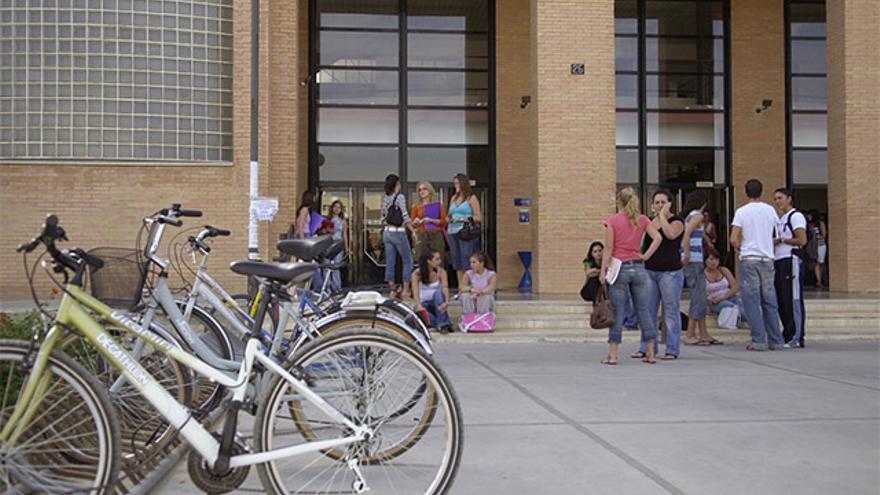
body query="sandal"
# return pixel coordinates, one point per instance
(609, 361)
(649, 360)
(638, 355)
(710, 342)
(669, 357)
(691, 342)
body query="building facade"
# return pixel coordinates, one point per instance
(111, 109)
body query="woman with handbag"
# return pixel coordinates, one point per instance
(464, 220)
(396, 220)
(623, 239)
(592, 268)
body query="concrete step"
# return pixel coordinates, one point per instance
(858, 307)
(739, 337)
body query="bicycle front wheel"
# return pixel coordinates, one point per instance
(71, 443)
(369, 378)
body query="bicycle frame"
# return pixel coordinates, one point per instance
(72, 312)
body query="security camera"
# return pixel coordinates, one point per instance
(765, 104)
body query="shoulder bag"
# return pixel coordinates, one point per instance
(603, 312)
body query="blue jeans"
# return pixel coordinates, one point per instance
(335, 283)
(666, 286)
(438, 318)
(733, 302)
(695, 278)
(759, 303)
(632, 282)
(461, 251)
(632, 318)
(397, 243)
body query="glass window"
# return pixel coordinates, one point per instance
(687, 17)
(358, 49)
(357, 163)
(684, 55)
(689, 92)
(453, 51)
(441, 164)
(448, 126)
(807, 19)
(448, 88)
(685, 129)
(809, 130)
(375, 14)
(626, 17)
(627, 90)
(357, 125)
(448, 15)
(626, 54)
(809, 167)
(809, 93)
(808, 57)
(627, 129)
(357, 87)
(627, 166)
(682, 165)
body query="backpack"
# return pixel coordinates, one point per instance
(805, 252)
(394, 216)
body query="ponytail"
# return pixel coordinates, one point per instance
(630, 202)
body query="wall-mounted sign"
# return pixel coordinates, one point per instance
(522, 202)
(705, 184)
(525, 217)
(577, 69)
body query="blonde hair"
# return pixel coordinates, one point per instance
(630, 202)
(430, 187)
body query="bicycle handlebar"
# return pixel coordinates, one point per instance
(52, 232)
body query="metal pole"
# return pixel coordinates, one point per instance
(253, 226)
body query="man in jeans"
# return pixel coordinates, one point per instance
(752, 234)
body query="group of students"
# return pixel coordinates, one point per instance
(655, 258)
(432, 226)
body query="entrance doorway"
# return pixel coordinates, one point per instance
(403, 87)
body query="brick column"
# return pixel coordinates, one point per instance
(853, 144)
(280, 118)
(574, 129)
(514, 173)
(757, 73)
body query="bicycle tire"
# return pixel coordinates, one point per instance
(368, 324)
(328, 471)
(63, 464)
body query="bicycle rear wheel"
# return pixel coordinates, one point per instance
(71, 444)
(368, 377)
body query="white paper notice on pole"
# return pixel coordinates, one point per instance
(264, 208)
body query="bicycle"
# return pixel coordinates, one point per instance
(351, 424)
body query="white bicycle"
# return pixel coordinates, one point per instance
(328, 422)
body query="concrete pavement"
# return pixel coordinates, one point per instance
(548, 418)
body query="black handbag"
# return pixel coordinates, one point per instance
(590, 288)
(470, 231)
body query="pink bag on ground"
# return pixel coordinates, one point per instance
(477, 322)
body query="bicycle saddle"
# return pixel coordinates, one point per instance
(297, 273)
(334, 249)
(305, 249)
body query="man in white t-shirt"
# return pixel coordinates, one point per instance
(752, 234)
(792, 230)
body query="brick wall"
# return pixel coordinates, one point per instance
(757, 73)
(574, 135)
(103, 205)
(515, 171)
(853, 144)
